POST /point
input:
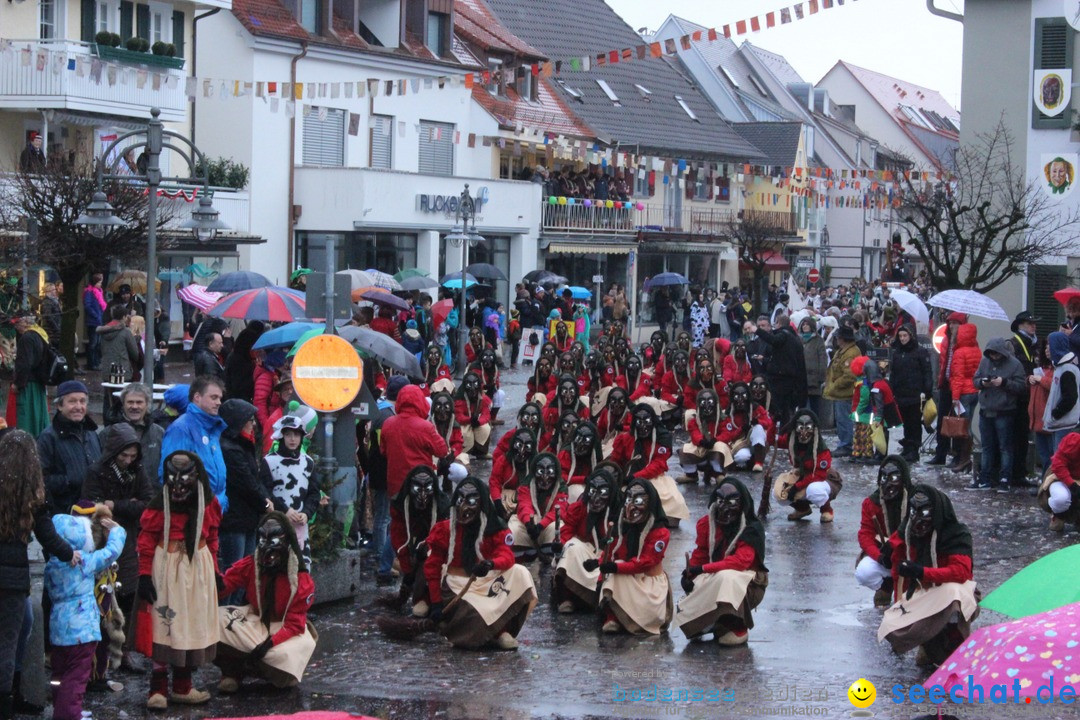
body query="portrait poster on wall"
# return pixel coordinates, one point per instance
(1053, 90)
(1059, 174)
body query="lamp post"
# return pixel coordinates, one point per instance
(100, 217)
(464, 236)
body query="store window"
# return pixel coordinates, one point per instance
(494, 250)
(385, 251)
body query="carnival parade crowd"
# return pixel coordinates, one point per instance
(182, 533)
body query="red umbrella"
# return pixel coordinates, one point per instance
(439, 311)
(270, 304)
(1064, 295)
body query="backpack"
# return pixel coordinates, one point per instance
(55, 365)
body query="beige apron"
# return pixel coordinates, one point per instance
(496, 603)
(241, 629)
(573, 492)
(600, 400)
(784, 480)
(185, 614)
(540, 399)
(641, 603)
(522, 541)
(574, 578)
(474, 436)
(728, 592)
(444, 385)
(509, 501)
(659, 406)
(670, 497)
(909, 623)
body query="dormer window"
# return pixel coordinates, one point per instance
(527, 86)
(497, 86)
(309, 15)
(609, 92)
(438, 33)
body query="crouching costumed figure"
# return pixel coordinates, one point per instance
(585, 533)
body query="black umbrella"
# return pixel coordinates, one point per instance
(485, 271)
(237, 281)
(544, 277)
(385, 348)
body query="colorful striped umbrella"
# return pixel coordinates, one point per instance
(198, 296)
(269, 304)
(383, 280)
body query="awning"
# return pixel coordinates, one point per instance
(591, 248)
(773, 261)
(686, 247)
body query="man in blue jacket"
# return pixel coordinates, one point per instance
(199, 430)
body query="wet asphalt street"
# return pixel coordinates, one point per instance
(815, 634)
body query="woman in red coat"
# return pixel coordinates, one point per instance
(726, 577)
(636, 595)
(475, 543)
(274, 642)
(965, 362)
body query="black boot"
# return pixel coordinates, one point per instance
(6, 710)
(20, 704)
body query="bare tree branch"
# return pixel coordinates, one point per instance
(756, 237)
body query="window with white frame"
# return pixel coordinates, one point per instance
(107, 16)
(50, 17)
(324, 137)
(160, 23)
(436, 148)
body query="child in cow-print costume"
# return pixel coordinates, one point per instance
(289, 475)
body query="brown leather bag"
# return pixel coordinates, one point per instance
(954, 426)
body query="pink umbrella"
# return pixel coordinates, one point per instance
(1036, 651)
(199, 296)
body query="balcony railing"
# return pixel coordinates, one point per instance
(598, 219)
(72, 77)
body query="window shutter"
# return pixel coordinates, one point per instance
(382, 142)
(142, 21)
(1043, 282)
(127, 13)
(87, 16)
(324, 140)
(436, 148)
(178, 32)
(1054, 40)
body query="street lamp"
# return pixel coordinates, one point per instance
(100, 216)
(464, 236)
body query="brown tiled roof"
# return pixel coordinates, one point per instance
(549, 113)
(474, 21)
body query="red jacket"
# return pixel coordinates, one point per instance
(673, 388)
(950, 568)
(503, 475)
(812, 469)
(526, 511)
(735, 371)
(443, 373)
(652, 553)
(945, 349)
(471, 353)
(266, 401)
(152, 532)
(464, 411)
(408, 439)
(292, 615)
(387, 326)
(623, 452)
(742, 557)
(697, 436)
(965, 361)
(871, 529)
(603, 422)
(552, 412)
(574, 524)
(1065, 464)
(643, 388)
(419, 527)
(580, 470)
(547, 386)
(494, 547)
(738, 425)
(456, 442)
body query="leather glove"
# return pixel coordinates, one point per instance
(591, 564)
(220, 581)
(146, 590)
(792, 491)
(687, 582)
(482, 568)
(556, 547)
(695, 570)
(886, 556)
(444, 464)
(708, 441)
(474, 422)
(435, 613)
(533, 529)
(260, 650)
(610, 567)
(911, 570)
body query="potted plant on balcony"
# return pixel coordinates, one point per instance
(135, 51)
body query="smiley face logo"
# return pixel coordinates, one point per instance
(862, 693)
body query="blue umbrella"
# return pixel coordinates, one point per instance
(449, 278)
(237, 281)
(577, 292)
(667, 278)
(284, 336)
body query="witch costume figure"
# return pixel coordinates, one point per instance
(935, 598)
(509, 469)
(644, 451)
(470, 570)
(882, 513)
(704, 453)
(585, 451)
(437, 377)
(473, 412)
(414, 511)
(812, 481)
(744, 437)
(726, 577)
(586, 532)
(177, 623)
(541, 504)
(270, 637)
(635, 596)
